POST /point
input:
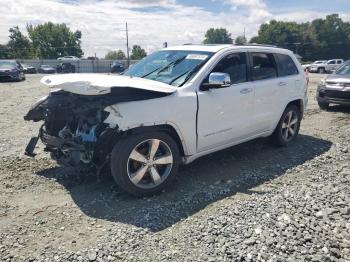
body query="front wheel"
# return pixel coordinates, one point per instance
(321, 70)
(288, 127)
(144, 164)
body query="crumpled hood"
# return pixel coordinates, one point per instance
(99, 84)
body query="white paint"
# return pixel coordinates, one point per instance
(94, 84)
(226, 116)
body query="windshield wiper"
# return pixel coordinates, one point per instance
(189, 73)
(162, 68)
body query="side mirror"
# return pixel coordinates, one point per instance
(217, 80)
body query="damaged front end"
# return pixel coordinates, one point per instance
(74, 131)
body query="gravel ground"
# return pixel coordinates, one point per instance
(253, 202)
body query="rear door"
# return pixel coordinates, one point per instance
(290, 80)
(267, 99)
(331, 65)
(339, 63)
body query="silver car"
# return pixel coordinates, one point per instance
(335, 89)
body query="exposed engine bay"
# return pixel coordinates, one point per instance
(74, 131)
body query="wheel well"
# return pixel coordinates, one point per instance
(163, 128)
(299, 104)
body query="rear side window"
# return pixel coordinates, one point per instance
(286, 65)
(264, 66)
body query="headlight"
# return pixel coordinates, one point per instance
(322, 84)
(39, 102)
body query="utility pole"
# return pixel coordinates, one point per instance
(127, 44)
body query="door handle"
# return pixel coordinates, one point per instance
(246, 90)
(282, 83)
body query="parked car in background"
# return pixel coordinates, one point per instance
(11, 70)
(46, 69)
(335, 89)
(117, 67)
(327, 67)
(65, 68)
(28, 69)
(307, 66)
(172, 107)
(68, 58)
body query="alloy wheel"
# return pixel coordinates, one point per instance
(290, 126)
(149, 163)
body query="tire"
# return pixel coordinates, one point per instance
(283, 136)
(321, 70)
(323, 105)
(154, 177)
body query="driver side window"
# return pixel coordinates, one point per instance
(235, 65)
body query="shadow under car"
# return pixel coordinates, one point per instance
(207, 180)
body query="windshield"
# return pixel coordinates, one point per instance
(7, 64)
(344, 70)
(173, 67)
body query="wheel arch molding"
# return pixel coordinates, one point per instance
(166, 128)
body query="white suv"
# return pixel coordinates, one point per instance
(172, 107)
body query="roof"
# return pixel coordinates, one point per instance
(217, 48)
(204, 48)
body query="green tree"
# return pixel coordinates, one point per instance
(137, 53)
(240, 40)
(5, 52)
(54, 40)
(320, 39)
(217, 36)
(283, 34)
(330, 37)
(19, 45)
(115, 55)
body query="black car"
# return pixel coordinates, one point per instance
(28, 69)
(46, 69)
(335, 89)
(65, 68)
(117, 67)
(11, 70)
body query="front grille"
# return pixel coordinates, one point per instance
(337, 94)
(340, 84)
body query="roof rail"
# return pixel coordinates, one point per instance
(253, 44)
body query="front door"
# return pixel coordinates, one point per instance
(224, 114)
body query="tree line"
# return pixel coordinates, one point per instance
(137, 53)
(47, 41)
(319, 39)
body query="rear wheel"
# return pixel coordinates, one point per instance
(288, 127)
(144, 164)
